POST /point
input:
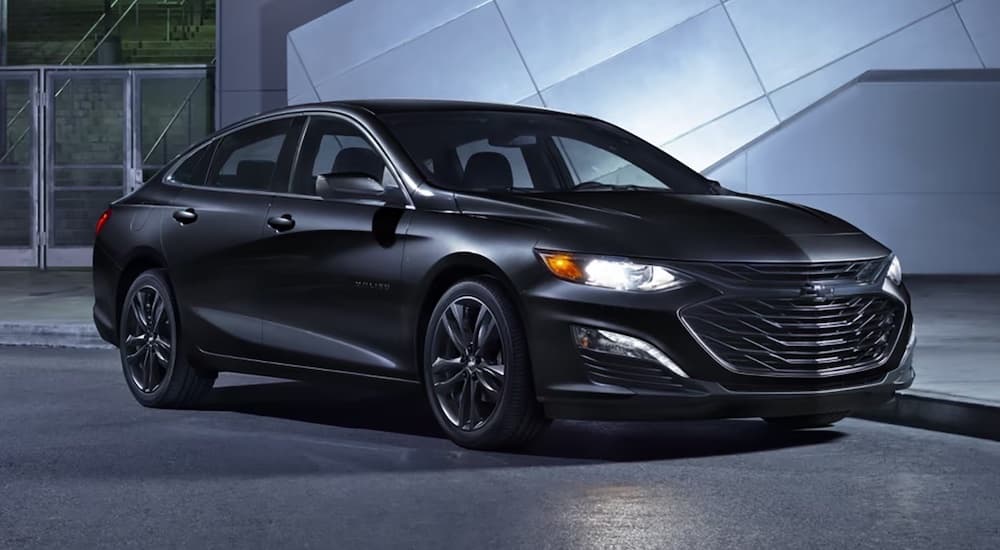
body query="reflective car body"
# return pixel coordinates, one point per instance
(785, 310)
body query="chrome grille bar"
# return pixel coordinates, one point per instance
(793, 337)
(789, 274)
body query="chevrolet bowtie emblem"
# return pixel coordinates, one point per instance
(816, 291)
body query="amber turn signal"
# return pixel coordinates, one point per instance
(563, 266)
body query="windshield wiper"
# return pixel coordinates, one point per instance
(599, 186)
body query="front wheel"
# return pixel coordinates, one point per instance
(476, 369)
(149, 341)
(807, 421)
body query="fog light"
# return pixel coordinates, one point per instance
(615, 343)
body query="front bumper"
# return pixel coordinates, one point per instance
(586, 385)
(716, 401)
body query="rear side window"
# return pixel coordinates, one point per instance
(192, 170)
(251, 158)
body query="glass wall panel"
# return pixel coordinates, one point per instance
(174, 112)
(88, 133)
(92, 136)
(17, 146)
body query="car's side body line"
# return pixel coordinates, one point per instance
(250, 365)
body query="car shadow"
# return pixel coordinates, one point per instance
(403, 410)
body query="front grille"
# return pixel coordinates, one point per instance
(789, 274)
(794, 337)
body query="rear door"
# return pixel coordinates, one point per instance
(213, 237)
(333, 298)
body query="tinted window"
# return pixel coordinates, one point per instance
(250, 158)
(535, 151)
(192, 171)
(590, 163)
(335, 146)
(514, 156)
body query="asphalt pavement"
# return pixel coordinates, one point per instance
(270, 464)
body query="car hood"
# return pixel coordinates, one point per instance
(729, 227)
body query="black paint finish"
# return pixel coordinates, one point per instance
(298, 286)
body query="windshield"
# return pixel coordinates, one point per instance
(508, 151)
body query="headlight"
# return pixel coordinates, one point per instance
(614, 273)
(895, 273)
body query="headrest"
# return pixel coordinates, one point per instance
(358, 160)
(487, 170)
(255, 174)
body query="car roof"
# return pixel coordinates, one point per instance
(385, 106)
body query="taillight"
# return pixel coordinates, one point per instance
(102, 220)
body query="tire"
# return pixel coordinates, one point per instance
(155, 372)
(506, 418)
(807, 421)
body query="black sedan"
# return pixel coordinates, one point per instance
(520, 264)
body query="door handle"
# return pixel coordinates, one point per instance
(185, 216)
(283, 222)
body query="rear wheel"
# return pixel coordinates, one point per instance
(807, 421)
(476, 369)
(149, 340)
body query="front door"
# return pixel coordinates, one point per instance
(333, 300)
(213, 237)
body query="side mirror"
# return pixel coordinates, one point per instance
(716, 188)
(348, 186)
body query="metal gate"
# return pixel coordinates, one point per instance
(74, 139)
(19, 169)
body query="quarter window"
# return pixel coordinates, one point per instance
(192, 170)
(250, 158)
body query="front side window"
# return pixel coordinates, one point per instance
(520, 177)
(333, 146)
(250, 158)
(513, 151)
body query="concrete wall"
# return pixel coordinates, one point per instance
(251, 52)
(700, 77)
(703, 78)
(909, 156)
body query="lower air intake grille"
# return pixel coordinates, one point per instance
(635, 374)
(792, 337)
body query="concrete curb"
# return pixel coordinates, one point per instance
(950, 414)
(51, 334)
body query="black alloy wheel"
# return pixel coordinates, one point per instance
(476, 368)
(149, 341)
(467, 367)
